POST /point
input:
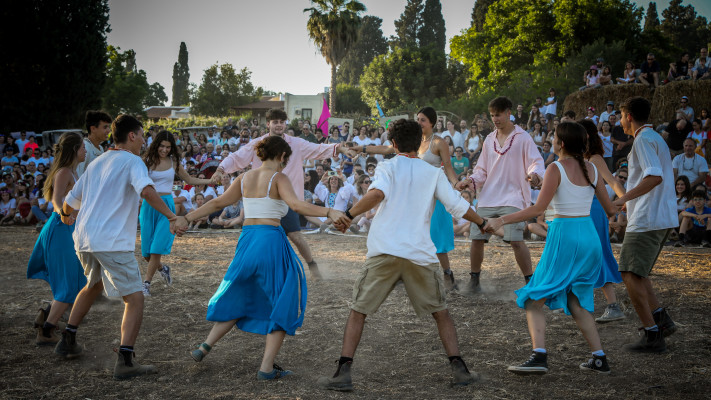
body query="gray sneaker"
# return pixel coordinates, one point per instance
(612, 313)
(146, 289)
(131, 368)
(341, 381)
(165, 274)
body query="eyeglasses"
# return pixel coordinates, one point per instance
(622, 177)
(366, 182)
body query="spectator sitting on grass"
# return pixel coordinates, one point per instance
(683, 194)
(202, 223)
(462, 226)
(690, 164)
(232, 216)
(8, 207)
(696, 223)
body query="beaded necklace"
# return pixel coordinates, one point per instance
(504, 151)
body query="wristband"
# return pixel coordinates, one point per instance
(348, 214)
(483, 223)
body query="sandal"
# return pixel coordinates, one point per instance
(198, 354)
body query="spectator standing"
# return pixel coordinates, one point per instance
(551, 108)
(649, 74)
(98, 126)
(690, 164)
(606, 138)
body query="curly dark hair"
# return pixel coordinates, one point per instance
(152, 159)
(406, 135)
(272, 147)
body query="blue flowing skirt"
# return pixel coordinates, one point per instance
(442, 229)
(570, 263)
(264, 287)
(155, 228)
(609, 270)
(54, 260)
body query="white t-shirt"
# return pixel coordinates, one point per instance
(21, 145)
(187, 203)
(474, 143)
(551, 108)
(402, 225)
(458, 139)
(606, 144)
(6, 207)
(209, 191)
(41, 202)
(690, 167)
(107, 197)
(345, 194)
(657, 209)
(92, 152)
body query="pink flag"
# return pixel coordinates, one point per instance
(323, 120)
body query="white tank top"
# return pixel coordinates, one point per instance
(570, 199)
(163, 180)
(263, 207)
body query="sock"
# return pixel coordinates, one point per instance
(540, 350)
(344, 360)
(452, 358)
(448, 271)
(653, 328)
(527, 277)
(71, 328)
(147, 283)
(473, 274)
(658, 310)
(47, 329)
(127, 353)
(598, 353)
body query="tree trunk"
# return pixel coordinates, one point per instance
(332, 90)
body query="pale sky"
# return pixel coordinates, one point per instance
(267, 36)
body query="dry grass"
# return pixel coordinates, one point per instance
(400, 355)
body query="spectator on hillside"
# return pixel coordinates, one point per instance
(547, 154)
(539, 137)
(12, 145)
(551, 108)
(696, 222)
(704, 117)
(568, 116)
(686, 109)
(592, 78)
(463, 128)
(520, 117)
(473, 144)
(457, 137)
(622, 142)
(702, 66)
(650, 72)
(675, 133)
(629, 74)
(690, 164)
(609, 109)
(31, 145)
(679, 70)
(700, 137)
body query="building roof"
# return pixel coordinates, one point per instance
(161, 111)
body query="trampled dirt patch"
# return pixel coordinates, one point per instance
(400, 355)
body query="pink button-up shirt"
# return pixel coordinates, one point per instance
(300, 150)
(502, 179)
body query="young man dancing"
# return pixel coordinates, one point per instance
(507, 167)
(107, 198)
(651, 213)
(98, 126)
(301, 150)
(400, 248)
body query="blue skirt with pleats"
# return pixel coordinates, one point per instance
(442, 229)
(570, 263)
(55, 260)
(609, 270)
(264, 287)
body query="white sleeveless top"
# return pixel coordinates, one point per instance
(429, 157)
(263, 207)
(163, 180)
(570, 199)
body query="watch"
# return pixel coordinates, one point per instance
(61, 212)
(483, 223)
(348, 214)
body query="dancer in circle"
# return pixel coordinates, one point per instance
(53, 258)
(609, 272)
(163, 162)
(264, 289)
(435, 151)
(570, 263)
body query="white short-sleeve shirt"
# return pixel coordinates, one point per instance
(690, 167)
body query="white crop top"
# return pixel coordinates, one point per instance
(163, 180)
(570, 199)
(263, 207)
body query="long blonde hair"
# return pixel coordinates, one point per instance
(65, 154)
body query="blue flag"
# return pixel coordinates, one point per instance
(380, 110)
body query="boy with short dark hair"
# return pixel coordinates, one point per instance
(696, 225)
(98, 126)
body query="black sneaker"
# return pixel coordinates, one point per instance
(68, 346)
(460, 373)
(340, 381)
(536, 365)
(664, 322)
(449, 281)
(126, 369)
(597, 364)
(473, 286)
(650, 342)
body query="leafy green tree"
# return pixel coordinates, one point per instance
(333, 27)
(181, 78)
(371, 43)
(407, 27)
(479, 13)
(651, 19)
(156, 95)
(222, 87)
(349, 100)
(432, 32)
(126, 88)
(53, 61)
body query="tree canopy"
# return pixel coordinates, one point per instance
(181, 78)
(371, 43)
(223, 87)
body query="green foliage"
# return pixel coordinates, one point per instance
(53, 60)
(407, 27)
(181, 78)
(126, 89)
(371, 43)
(651, 19)
(479, 13)
(222, 87)
(686, 30)
(156, 95)
(349, 100)
(333, 27)
(432, 32)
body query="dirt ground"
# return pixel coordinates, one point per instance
(400, 355)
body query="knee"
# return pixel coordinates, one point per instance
(441, 315)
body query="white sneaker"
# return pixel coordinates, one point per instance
(146, 289)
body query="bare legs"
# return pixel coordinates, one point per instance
(154, 264)
(642, 296)
(443, 260)
(537, 322)
(298, 239)
(609, 291)
(523, 256)
(56, 310)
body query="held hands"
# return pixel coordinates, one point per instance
(619, 204)
(535, 179)
(340, 221)
(493, 224)
(217, 175)
(464, 184)
(179, 226)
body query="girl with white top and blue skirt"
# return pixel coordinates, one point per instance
(53, 257)
(570, 264)
(163, 162)
(264, 289)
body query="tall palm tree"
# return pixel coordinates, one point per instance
(333, 27)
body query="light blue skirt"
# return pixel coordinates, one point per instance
(155, 228)
(609, 270)
(54, 260)
(570, 263)
(442, 229)
(264, 287)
